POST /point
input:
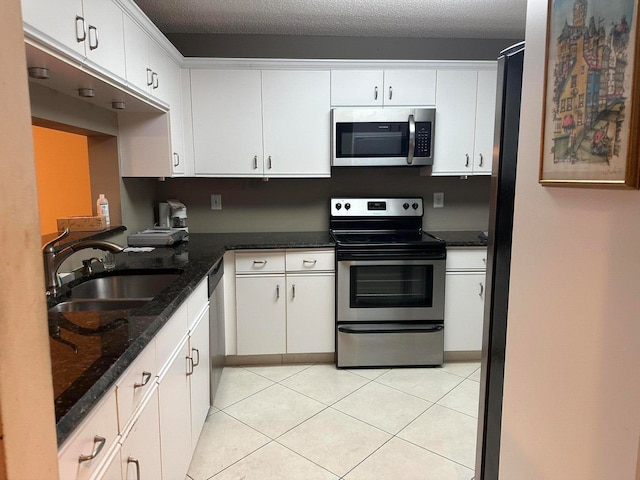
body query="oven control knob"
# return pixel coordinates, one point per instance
(347, 206)
(414, 205)
(338, 206)
(405, 206)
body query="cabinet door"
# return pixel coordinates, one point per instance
(455, 122)
(409, 88)
(485, 122)
(296, 123)
(136, 39)
(261, 310)
(113, 470)
(200, 378)
(105, 36)
(464, 311)
(310, 313)
(57, 21)
(159, 64)
(227, 122)
(175, 416)
(140, 451)
(356, 88)
(174, 81)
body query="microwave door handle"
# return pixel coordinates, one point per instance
(412, 139)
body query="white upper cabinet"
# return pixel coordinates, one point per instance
(252, 123)
(91, 30)
(146, 62)
(370, 88)
(227, 122)
(465, 114)
(296, 123)
(173, 77)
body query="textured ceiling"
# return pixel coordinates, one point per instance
(360, 18)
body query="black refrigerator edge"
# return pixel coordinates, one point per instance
(501, 203)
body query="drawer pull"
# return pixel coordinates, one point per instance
(190, 366)
(98, 443)
(146, 376)
(137, 464)
(197, 362)
(309, 262)
(261, 263)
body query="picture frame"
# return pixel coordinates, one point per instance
(591, 111)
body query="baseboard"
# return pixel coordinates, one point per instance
(279, 359)
(463, 356)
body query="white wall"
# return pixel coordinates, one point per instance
(572, 388)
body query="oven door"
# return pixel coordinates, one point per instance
(397, 290)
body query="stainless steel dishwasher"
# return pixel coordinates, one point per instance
(216, 325)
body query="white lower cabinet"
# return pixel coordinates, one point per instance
(175, 414)
(113, 469)
(140, 453)
(310, 313)
(464, 299)
(261, 311)
(200, 376)
(289, 306)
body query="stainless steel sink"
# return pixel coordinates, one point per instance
(100, 304)
(124, 286)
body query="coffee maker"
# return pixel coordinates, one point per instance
(173, 214)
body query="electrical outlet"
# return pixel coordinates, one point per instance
(216, 202)
(438, 200)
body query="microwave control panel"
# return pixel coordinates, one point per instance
(423, 139)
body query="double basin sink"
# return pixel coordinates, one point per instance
(116, 292)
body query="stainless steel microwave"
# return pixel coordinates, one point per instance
(368, 137)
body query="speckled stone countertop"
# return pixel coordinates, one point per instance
(461, 238)
(109, 341)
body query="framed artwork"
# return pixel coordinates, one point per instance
(591, 116)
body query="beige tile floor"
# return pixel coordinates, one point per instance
(318, 422)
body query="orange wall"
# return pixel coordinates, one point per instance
(62, 170)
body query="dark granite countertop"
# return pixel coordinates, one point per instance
(461, 238)
(109, 341)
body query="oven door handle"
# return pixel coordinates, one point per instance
(416, 329)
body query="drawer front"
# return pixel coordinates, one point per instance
(466, 259)
(260, 261)
(197, 301)
(310, 260)
(102, 423)
(170, 336)
(134, 384)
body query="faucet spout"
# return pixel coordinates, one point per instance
(53, 259)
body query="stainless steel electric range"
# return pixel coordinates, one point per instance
(389, 284)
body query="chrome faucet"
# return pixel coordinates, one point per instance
(53, 259)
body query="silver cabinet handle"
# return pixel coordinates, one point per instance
(81, 34)
(261, 263)
(293, 291)
(390, 92)
(466, 164)
(484, 260)
(277, 292)
(312, 262)
(137, 464)
(176, 158)
(149, 77)
(255, 162)
(146, 376)
(155, 81)
(93, 46)
(197, 362)
(98, 443)
(481, 290)
(270, 163)
(412, 138)
(481, 159)
(190, 366)
(375, 93)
